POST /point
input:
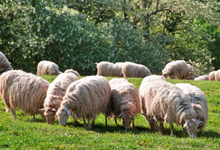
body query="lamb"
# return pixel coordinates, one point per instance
(191, 73)
(130, 69)
(55, 94)
(202, 78)
(5, 65)
(86, 98)
(24, 91)
(72, 71)
(125, 101)
(175, 70)
(105, 68)
(198, 102)
(212, 75)
(47, 68)
(164, 102)
(217, 75)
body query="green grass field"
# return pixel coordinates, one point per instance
(25, 134)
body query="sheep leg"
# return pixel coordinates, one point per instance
(93, 120)
(89, 125)
(161, 126)
(171, 129)
(75, 120)
(13, 112)
(106, 121)
(158, 129)
(84, 121)
(202, 132)
(133, 124)
(33, 118)
(116, 123)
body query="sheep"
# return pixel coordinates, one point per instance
(202, 78)
(47, 68)
(164, 102)
(105, 68)
(125, 101)
(5, 65)
(86, 98)
(55, 94)
(191, 73)
(175, 70)
(217, 75)
(72, 71)
(212, 75)
(24, 91)
(198, 102)
(130, 69)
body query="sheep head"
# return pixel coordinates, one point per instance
(191, 126)
(50, 113)
(62, 115)
(127, 118)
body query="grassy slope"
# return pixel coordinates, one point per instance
(24, 134)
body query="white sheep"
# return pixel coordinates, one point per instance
(202, 78)
(165, 102)
(125, 101)
(198, 102)
(47, 68)
(72, 71)
(86, 98)
(55, 94)
(175, 70)
(24, 91)
(212, 75)
(130, 69)
(105, 68)
(5, 65)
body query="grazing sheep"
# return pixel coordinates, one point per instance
(164, 102)
(24, 91)
(72, 71)
(175, 70)
(198, 102)
(191, 73)
(47, 68)
(130, 69)
(202, 78)
(105, 68)
(55, 94)
(217, 75)
(86, 98)
(212, 75)
(5, 65)
(125, 101)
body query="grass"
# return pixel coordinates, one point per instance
(25, 134)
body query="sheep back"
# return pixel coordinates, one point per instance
(105, 68)
(5, 65)
(212, 75)
(124, 97)
(164, 101)
(202, 78)
(23, 91)
(130, 69)
(47, 68)
(198, 101)
(175, 70)
(88, 97)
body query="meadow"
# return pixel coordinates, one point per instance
(25, 134)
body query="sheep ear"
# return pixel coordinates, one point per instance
(119, 116)
(134, 115)
(43, 109)
(200, 122)
(68, 112)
